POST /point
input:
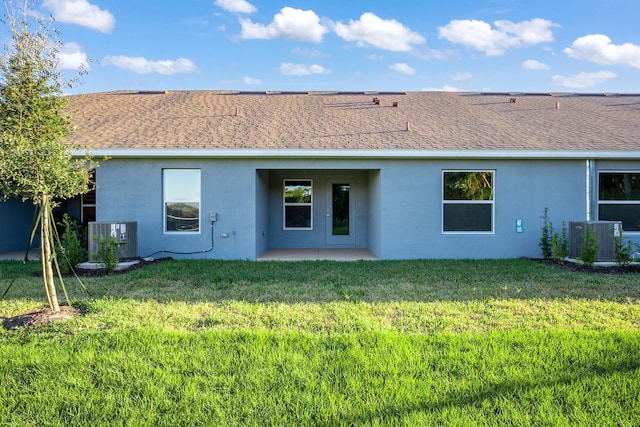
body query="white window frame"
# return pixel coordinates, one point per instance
(166, 200)
(89, 194)
(615, 202)
(286, 204)
(491, 202)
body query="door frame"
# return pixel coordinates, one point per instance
(342, 240)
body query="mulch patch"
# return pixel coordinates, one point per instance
(90, 272)
(602, 269)
(43, 316)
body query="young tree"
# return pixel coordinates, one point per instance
(35, 162)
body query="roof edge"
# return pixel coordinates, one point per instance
(131, 153)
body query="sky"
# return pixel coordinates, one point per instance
(586, 46)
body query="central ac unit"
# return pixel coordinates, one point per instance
(124, 234)
(605, 231)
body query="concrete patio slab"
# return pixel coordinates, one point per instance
(122, 265)
(314, 254)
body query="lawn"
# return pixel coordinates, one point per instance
(433, 342)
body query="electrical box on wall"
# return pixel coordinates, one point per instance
(124, 234)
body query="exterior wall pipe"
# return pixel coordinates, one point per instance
(591, 188)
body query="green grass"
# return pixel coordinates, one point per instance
(509, 342)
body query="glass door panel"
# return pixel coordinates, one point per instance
(340, 222)
(340, 214)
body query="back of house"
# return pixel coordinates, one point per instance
(233, 175)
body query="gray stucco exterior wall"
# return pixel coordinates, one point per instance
(412, 217)
(322, 180)
(17, 219)
(397, 211)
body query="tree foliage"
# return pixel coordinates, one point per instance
(468, 185)
(35, 161)
(619, 186)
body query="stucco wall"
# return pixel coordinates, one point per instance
(131, 190)
(399, 205)
(412, 213)
(322, 180)
(16, 219)
(262, 213)
(375, 213)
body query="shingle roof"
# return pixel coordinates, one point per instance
(436, 121)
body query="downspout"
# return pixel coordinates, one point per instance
(591, 187)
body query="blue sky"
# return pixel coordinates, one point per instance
(352, 45)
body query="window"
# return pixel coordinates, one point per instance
(619, 198)
(298, 199)
(88, 201)
(182, 200)
(467, 201)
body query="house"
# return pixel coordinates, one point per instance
(231, 175)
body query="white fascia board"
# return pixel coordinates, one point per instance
(124, 153)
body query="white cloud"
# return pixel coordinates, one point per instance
(476, 34)
(599, 49)
(249, 81)
(532, 64)
(494, 42)
(461, 76)
(375, 57)
(236, 6)
(403, 68)
(530, 32)
(584, 80)
(290, 23)
(289, 69)
(433, 54)
(311, 53)
(142, 65)
(71, 57)
(445, 88)
(81, 12)
(387, 34)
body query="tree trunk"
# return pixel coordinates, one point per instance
(47, 255)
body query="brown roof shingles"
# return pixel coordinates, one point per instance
(436, 120)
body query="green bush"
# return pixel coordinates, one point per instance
(560, 245)
(589, 247)
(623, 249)
(553, 245)
(547, 233)
(107, 253)
(72, 247)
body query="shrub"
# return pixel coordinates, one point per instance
(560, 245)
(72, 247)
(107, 253)
(547, 232)
(589, 247)
(623, 249)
